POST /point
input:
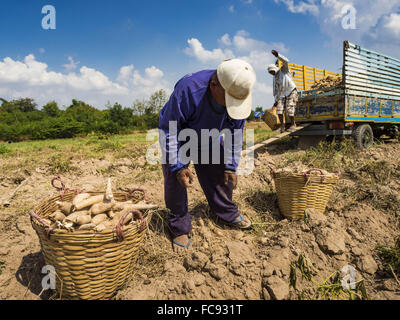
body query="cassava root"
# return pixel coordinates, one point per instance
(94, 213)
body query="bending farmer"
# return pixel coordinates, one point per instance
(207, 101)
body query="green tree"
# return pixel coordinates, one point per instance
(259, 109)
(20, 120)
(27, 105)
(120, 115)
(51, 109)
(23, 105)
(139, 107)
(156, 102)
(251, 117)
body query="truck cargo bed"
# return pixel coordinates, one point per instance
(321, 105)
(370, 91)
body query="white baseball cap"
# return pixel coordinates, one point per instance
(237, 77)
(273, 67)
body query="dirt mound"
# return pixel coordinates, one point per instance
(278, 259)
(229, 264)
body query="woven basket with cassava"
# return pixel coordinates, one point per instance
(271, 119)
(296, 192)
(89, 264)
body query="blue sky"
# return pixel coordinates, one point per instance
(123, 50)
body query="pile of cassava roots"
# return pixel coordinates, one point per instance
(94, 212)
(328, 82)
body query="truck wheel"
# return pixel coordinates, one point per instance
(363, 136)
(393, 132)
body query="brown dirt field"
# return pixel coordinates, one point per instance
(224, 263)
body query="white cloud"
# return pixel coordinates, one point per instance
(32, 78)
(231, 9)
(301, 6)
(71, 65)
(154, 73)
(242, 46)
(387, 28)
(42, 50)
(197, 50)
(392, 24)
(124, 74)
(146, 84)
(243, 42)
(225, 40)
(377, 22)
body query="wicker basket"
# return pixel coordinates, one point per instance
(89, 265)
(271, 119)
(297, 192)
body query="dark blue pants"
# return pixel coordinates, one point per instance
(219, 196)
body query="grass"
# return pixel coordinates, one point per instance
(4, 149)
(263, 209)
(85, 144)
(156, 251)
(60, 164)
(330, 156)
(372, 179)
(2, 265)
(329, 288)
(261, 132)
(59, 153)
(96, 143)
(109, 145)
(390, 257)
(382, 200)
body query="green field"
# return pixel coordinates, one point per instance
(95, 145)
(58, 153)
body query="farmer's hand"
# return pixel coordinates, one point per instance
(275, 53)
(230, 176)
(185, 177)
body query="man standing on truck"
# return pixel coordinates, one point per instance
(285, 92)
(214, 101)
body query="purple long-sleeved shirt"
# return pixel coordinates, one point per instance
(191, 106)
